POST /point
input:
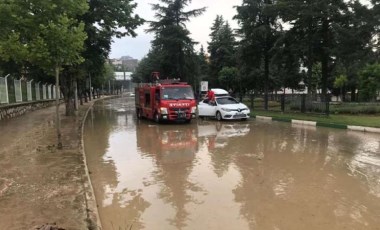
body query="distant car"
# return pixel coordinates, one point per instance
(224, 107)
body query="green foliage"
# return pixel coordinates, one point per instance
(172, 51)
(147, 65)
(370, 82)
(35, 30)
(355, 108)
(202, 65)
(340, 81)
(222, 49)
(104, 20)
(228, 77)
(259, 29)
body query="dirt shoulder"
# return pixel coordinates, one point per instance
(38, 183)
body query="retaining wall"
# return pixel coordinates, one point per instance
(15, 110)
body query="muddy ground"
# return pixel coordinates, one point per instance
(38, 183)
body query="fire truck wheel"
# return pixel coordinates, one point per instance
(157, 118)
(219, 116)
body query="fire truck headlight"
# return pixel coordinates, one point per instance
(164, 110)
(193, 109)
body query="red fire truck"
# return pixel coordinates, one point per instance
(165, 100)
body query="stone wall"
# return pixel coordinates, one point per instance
(15, 110)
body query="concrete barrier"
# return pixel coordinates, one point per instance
(302, 122)
(363, 129)
(372, 130)
(263, 118)
(355, 128)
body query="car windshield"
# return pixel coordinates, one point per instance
(226, 101)
(177, 93)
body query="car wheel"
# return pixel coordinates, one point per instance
(219, 116)
(244, 119)
(157, 118)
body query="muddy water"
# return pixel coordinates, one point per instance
(230, 175)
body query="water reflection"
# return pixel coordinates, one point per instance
(230, 175)
(172, 149)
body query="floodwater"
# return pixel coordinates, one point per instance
(229, 175)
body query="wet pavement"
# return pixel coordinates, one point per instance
(38, 183)
(229, 175)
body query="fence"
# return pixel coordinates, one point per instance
(4, 90)
(305, 103)
(17, 91)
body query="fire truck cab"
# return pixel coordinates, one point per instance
(165, 100)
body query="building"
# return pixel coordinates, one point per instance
(126, 80)
(125, 63)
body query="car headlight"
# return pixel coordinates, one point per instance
(227, 110)
(193, 109)
(164, 110)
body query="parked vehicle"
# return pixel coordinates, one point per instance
(165, 100)
(224, 107)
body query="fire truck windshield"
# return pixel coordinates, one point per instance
(177, 93)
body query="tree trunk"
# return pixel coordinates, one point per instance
(353, 95)
(58, 118)
(266, 77)
(266, 62)
(85, 96)
(68, 92)
(76, 95)
(325, 57)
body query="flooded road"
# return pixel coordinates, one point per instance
(229, 175)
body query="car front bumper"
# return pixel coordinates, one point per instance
(235, 115)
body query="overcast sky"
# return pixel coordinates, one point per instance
(199, 27)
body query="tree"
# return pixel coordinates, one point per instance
(222, 49)
(215, 65)
(340, 82)
(370, 82)
(202, 65)
(228, 78)
(315, 23)
(259, 29)
(172, 39)
(147, 65)
(46, 35)
(286, 63)
(104, 20)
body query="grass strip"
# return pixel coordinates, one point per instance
(337, 121)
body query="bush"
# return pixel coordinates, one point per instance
(356, 108)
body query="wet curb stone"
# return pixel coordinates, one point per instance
(91, 204)
(321, 124)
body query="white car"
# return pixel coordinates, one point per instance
(224, 107)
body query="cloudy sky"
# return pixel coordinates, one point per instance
(199, 27)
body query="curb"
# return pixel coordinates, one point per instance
(91, 204)
(320, 124)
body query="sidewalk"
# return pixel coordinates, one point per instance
(38, 183)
